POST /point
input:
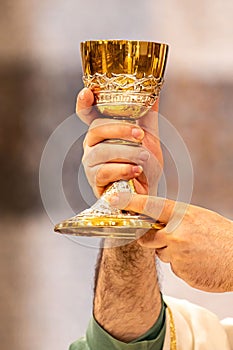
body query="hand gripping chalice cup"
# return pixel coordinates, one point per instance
(126, 78)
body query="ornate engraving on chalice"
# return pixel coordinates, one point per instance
(124, 89)
(126, 78)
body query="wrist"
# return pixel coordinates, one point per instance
(128, 258)
(127, 289)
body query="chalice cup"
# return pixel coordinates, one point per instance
(126, 78)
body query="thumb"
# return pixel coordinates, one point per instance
(84, 106)
(160, 209)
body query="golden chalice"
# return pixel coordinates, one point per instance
(126, 78)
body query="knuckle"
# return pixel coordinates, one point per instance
(88, 160)
(101, 176)
(96, 155)
(125, 170)
(92, 156)
(85, 159)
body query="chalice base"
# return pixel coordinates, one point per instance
(102, 220)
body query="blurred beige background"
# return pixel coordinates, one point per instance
(47, 280)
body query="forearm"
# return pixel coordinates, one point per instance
(127, 298)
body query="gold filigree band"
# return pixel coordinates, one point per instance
(123, 82)
(112, 90)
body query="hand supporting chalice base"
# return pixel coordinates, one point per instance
(126, 78)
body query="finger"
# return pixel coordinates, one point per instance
(155, 239)
(158, 240)
(152, 143)
(158, 208)
(101, 130)
(111, 172)
(102, 175)
(149, 121)
(155, 106)
(84, 107)
(104, 152)
(164, 254)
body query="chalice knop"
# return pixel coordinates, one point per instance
(126, 78)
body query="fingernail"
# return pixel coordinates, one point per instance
(137, 170)
(120, 200)
(144, 155)
(114, 200)
(137, 133)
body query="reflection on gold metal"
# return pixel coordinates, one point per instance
(136, 226)
(101, 220)
(126, 78)
(142, 58)
(124, 94)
